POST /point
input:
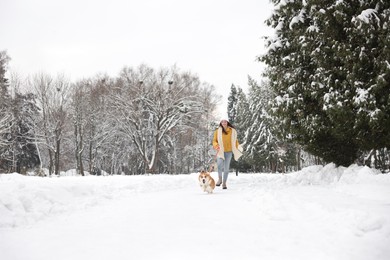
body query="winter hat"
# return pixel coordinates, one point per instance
(224, 117)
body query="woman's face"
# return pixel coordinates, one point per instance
(224, 123)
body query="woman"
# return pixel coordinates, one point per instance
(224, 137)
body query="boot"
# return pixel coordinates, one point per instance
(219, 182)
(224, 186)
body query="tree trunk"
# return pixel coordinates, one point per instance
(57, 158)
(90, 157)
(51, 164)
(299, 159)
(79, 150)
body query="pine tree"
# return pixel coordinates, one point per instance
(242, 110)
(5, 113)
(261, 143)
(18, 150)
(328, 64)
(23, 147)
(238, 113)
(4, 94)
(231, 106)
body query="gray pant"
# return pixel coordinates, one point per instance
(224, 165)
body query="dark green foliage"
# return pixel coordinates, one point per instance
(232, 102)
(329, 65)
(237, 108)
(4, 59)
(257, 131)
(5, 111)
(24, 148)
(18, 149)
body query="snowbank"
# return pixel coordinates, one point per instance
(25, 200)
(318, 213)
(328, 174)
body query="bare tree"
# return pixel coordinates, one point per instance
(94, 130)
(145, 120)
(79, 115)
(151, 103)
(5, 126)
(53, 96)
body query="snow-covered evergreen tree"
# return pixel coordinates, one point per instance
(231, 105)
(242, 111)
(18, 115)
(261, 143)
(5, 113)
(239, 117)
(4, 92)
(23, 149)
(329, 66)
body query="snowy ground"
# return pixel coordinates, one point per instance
(317, 213)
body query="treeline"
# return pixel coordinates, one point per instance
(327, 87)
(325, 98)
(142, 121)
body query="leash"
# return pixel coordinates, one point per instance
(213, 162)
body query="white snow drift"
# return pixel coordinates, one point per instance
(317, 213)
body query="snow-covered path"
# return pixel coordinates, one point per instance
(318, 213)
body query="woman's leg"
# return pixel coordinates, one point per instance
(220, 164)
(228, 158)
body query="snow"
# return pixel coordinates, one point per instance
(321, 212)
(274, 43)
(297, 19)
(361, 96)
(312, 28)
(279, 27)
(282, 3)
(367, 14)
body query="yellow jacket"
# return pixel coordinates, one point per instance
(226, 139)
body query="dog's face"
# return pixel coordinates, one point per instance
(206, 182)
(204, 177)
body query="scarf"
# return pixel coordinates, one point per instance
(237, 153)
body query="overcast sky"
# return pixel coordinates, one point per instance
(216, 39)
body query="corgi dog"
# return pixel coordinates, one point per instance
(206, 182)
